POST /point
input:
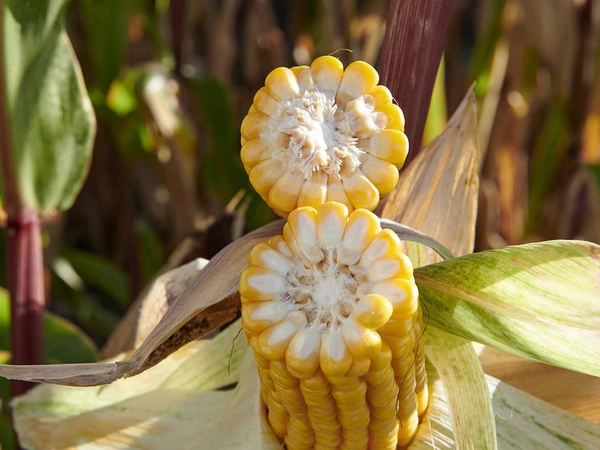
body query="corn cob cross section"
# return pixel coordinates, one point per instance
(330, 309)
(319, 133)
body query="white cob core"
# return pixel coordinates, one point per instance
(311, 133)
(325, 292)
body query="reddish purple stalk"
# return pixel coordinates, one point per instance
(24, 249)
(26, 287)
(412, 50)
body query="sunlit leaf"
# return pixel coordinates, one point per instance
(50, 115)
(539, 300)
(466, 389)
(179, 397)
(522, 422)
(437, 115)
(437, 193)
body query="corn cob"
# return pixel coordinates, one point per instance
(330, 309)
(319, 133)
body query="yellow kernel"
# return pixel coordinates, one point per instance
(303, 223)
(302, 355)
(402, 294)
(314, 190)
(264, 255)
(284, 193)
(362, 342)
(395, 116)
(381, 95)
(382, 174)
(361, 229)
(253, 125)
(327, 72)
(265, 103)
(360, 190)
(395, 265)
(335, 358)
(258, 316)
(359, 78)
(372, 311)
(254, 152)
(336, 193)
(389, 145)
(385, 243)
(258, 283)
(264, 175)
(274, 341)
(331, 224)
(282, 84)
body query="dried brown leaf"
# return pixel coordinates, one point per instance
(208, 302)
(437, 193)
(151, 305)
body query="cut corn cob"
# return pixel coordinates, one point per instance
(330, 309)
(319, 133)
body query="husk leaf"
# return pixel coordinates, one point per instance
(541, 301)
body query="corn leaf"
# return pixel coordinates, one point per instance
(106, 28)
(466, 389)
(541, 301)
(63, 341)
(522, 422)
(50, 116)
(179, 397)
(209, 301)
(100, 273)
(437, 193)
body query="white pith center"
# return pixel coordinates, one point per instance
(325, 292)
(310, 133)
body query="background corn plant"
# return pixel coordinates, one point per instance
(170, 82)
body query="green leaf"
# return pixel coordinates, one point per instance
(100, 273)
(437, 116)
(63, 341)
(105, 24)
(149, 248)
(522, 422)
(50, 115)
(222, 168)
(541, 301)
(546, 160)
(466, 389)
(7, 435)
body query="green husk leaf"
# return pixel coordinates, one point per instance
(541, 301)
(51, 119)
(522, 422)
(466, 389)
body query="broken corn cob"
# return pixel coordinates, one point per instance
(319, 133)
(330, 309)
